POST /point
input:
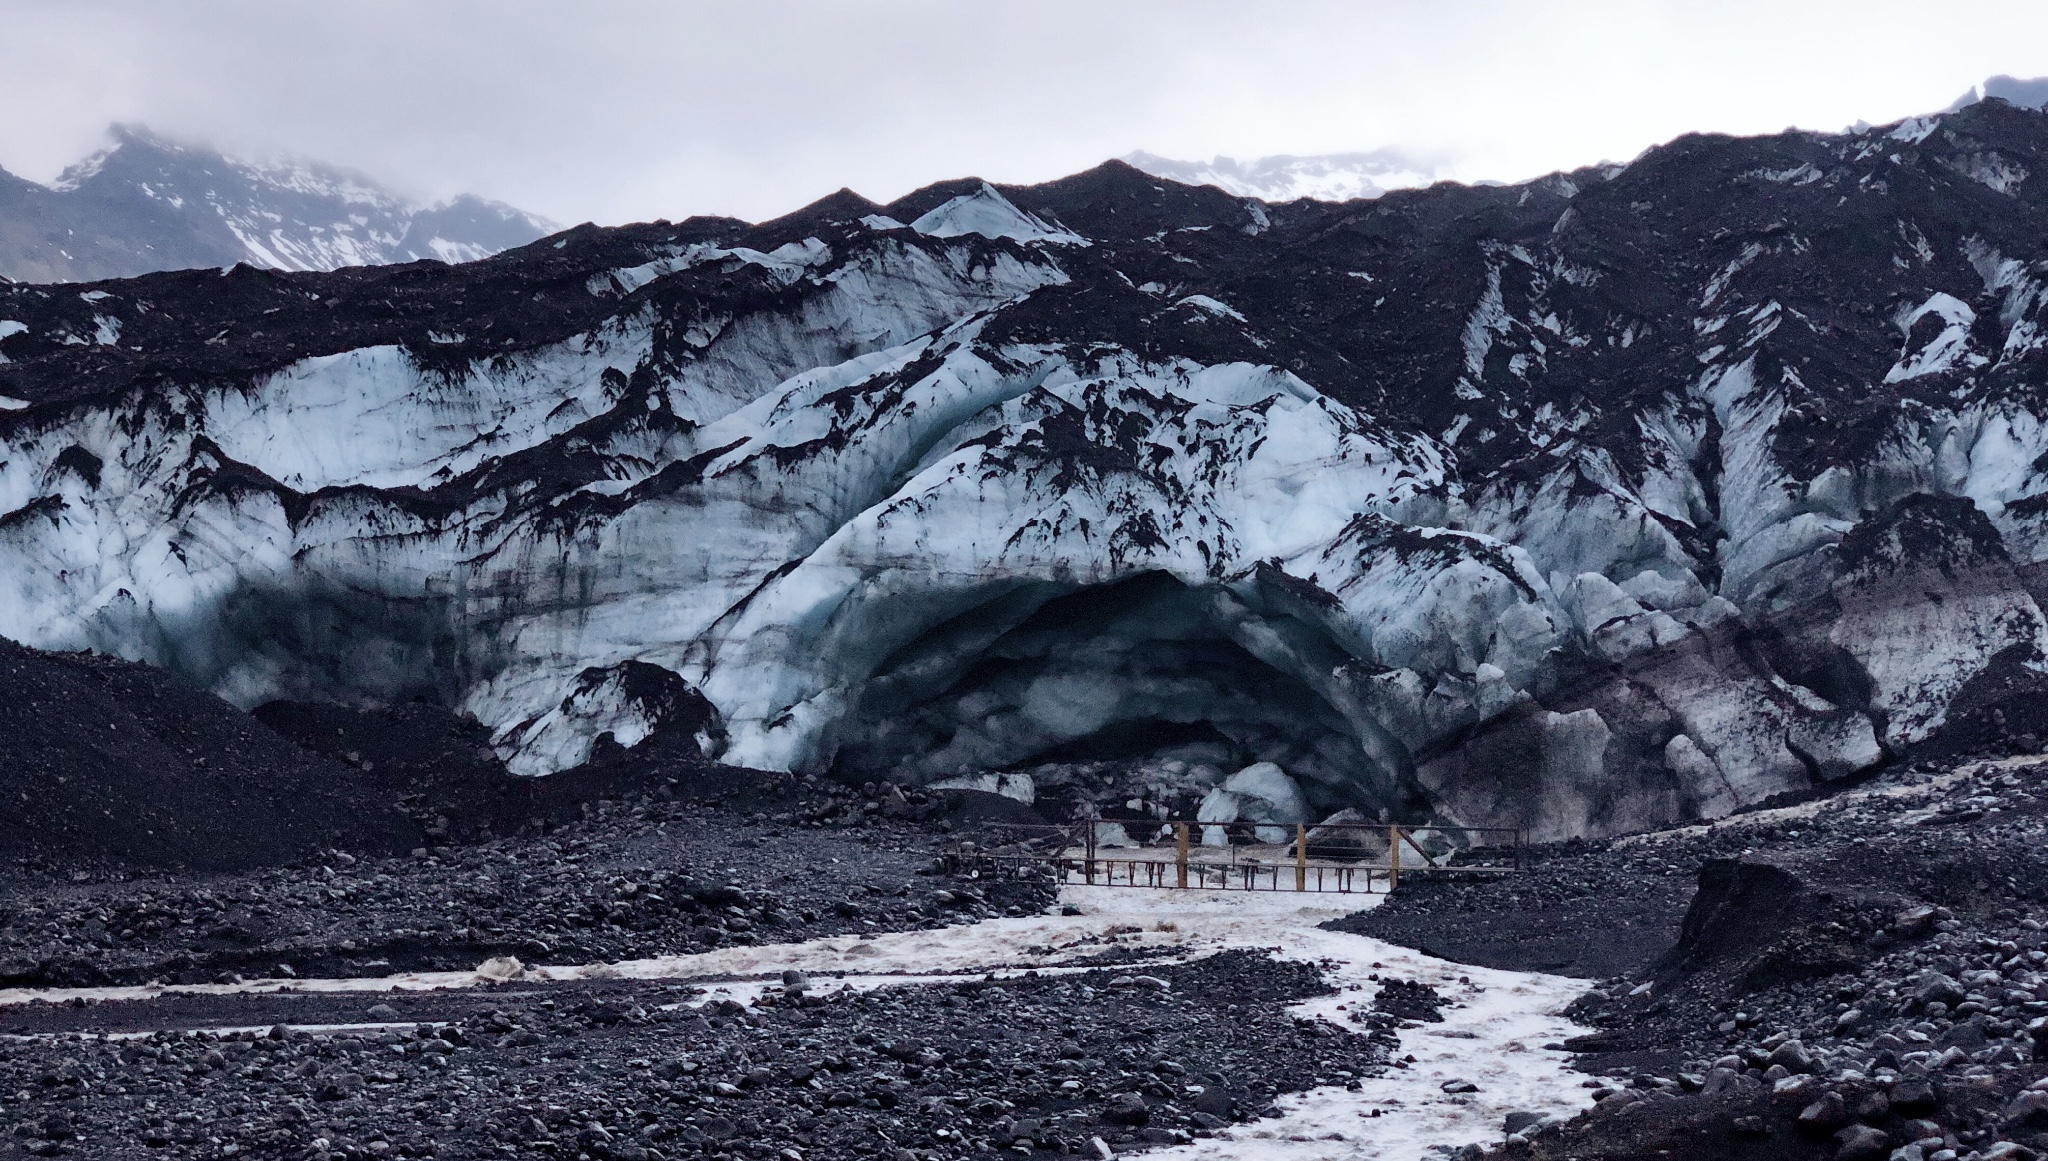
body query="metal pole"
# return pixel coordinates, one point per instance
(1180, 854)
(1393, 857)
(1090, 874)
(1300, 857)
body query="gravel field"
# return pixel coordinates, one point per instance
(634, 878)
(637, 1071)
(1840, 978)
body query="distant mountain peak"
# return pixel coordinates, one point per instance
(2031, 93)
(1283, 177)
(149, 202)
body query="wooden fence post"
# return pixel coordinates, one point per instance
(1180, 849)
(1089, 872)
(1393, 857)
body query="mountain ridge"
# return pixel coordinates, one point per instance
(149, 203)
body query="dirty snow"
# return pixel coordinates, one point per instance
(990, 214)
(1213, 306)
(1946, 349)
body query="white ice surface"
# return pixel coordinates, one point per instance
(990, 214)
(1492, 1034)
(1947, 348)
(1213, 306)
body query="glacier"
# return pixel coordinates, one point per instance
(1617, 498)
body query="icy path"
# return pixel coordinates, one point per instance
(1492, 1035)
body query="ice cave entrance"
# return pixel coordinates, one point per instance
(1111, 695)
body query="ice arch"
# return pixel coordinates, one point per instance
(1142, 686)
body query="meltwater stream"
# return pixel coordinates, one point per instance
(1493, 1035)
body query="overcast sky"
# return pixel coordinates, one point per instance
(615, 110)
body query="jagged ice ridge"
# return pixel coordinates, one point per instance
(1625, 496)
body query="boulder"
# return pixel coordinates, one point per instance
(1218, 810)
(2029, 1109)
(1722, 1081)
(1914, 1095)
(1456, 1087)
(1792, 1057)
(1862, 1143)
(1825, 1115)
(1913, 922)
(1742, 906)
(1265, 794)
(1128, 1109)
(1936, 988)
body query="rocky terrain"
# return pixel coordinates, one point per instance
(1048, 1063)
(658, 875)
(680, 589)
(1874, 959)
(150, 203)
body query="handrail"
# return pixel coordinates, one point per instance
(1340, 855)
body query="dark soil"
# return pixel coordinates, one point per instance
(610, 1070)
(105, 761)
(653, 875)
(1579, 909)
(110, 766)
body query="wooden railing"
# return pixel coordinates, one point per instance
(1331, 857)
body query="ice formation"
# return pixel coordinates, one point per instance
(1112, 485)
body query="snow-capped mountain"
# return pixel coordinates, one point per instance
(1615, 497)
(1330, 177)
(152, 204)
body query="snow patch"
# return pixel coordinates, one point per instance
(785, 264)
(988, 213)
(1914, 130)
(1203, 302)
(1946, 349)
(1991, 170)
(1719, 282)
(1803, 174)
